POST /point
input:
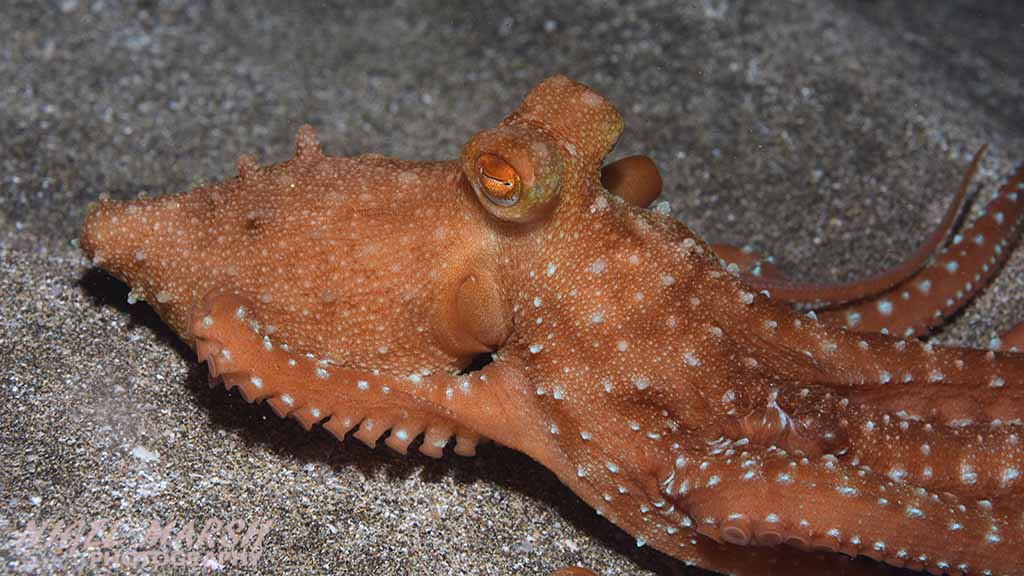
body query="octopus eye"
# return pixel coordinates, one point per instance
(514, 171)
(499, 180)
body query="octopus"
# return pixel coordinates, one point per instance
(526, 294)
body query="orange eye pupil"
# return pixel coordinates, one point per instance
(499, 178)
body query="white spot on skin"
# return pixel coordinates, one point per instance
(967, 473)
(885, 307)
(536, 348)
(641, 384)
(551, 269)
(257, 382)
(913, 512)
(363, 385)
(321, 373)
(598, 266)
(952, 266)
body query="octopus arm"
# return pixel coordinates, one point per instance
(942, 419)
(929, 296)
(821, 295)
(945, 420)
(770, 498)
(228, 338)
(977, 460)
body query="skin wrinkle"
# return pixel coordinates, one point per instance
(689, 408)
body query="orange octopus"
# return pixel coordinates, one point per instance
(524, 295)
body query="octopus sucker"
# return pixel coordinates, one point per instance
(525, 293)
